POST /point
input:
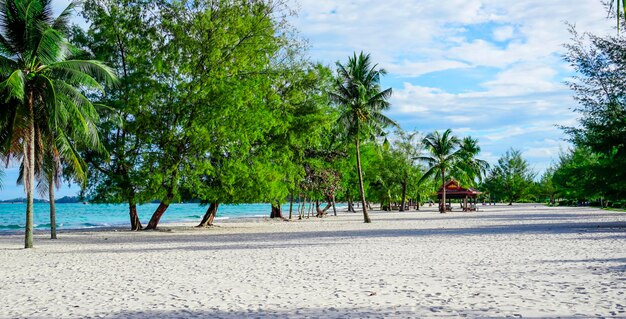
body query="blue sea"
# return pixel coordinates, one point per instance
(80, 216)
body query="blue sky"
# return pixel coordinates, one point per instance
(491, 69)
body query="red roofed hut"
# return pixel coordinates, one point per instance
(454, 190)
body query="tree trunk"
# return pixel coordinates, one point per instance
(322, 212)
(350, 205)
(290, 205)
(302, 208)
(135, 223)
(158, 213)
(403, 194)
(29, 173)
(443, 197)
(53, 215)
(276, 211)
(334, 208)
(366, 217)
(209, 216)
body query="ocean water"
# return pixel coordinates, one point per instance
(79, 216)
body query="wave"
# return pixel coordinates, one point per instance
(9, 227)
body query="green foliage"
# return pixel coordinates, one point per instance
(469, 170)
(45, 116)
(601, 95)
(445, 153)
(361, 101)
(511, 179)
(545, 190)
(578, 175)
(620, 11)
(126, 35)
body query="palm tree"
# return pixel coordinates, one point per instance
(445, 153)
(41, 88)
(470, 169)
(362, 102)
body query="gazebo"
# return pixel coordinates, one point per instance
(455, 191)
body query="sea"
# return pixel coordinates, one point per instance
(86, 215)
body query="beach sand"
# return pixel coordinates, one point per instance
(524, 260)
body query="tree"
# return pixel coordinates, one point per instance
(445, 154)
(227, 49)
(127, 36)
(546, 188)
(601, 96)
(40, 85)
(512, 178)
(408, 149)
(470, 170)
(620, 10)
(579, 175)
(362, 101)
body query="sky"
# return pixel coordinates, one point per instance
(490, 69)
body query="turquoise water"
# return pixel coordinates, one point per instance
(78, 216)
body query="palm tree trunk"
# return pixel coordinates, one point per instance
(443, 180)
(53, 214)
(29, 173)
(334, 208)
(366, 217)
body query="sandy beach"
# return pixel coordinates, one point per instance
(520, 261)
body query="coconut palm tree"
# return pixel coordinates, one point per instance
(445, 154)
(361, 101)
(470, 169)
(41, 89)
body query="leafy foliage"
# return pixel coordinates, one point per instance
(511, 179)
(44, 116)
(362, 101)
(600, 92)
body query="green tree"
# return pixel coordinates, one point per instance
(578, 174)
(512, 178)
(40, 85)
(445, 154)
(226, 48)
(408, 149)
(546, 188)
(470, 170)
(362, 101)
(127, 36)
(601, 95)
(620, 11)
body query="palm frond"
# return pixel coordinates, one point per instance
(92, 68)
(14, 86)
(62, 22)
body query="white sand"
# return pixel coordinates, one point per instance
(524, 260)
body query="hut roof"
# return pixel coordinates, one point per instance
(454, 190)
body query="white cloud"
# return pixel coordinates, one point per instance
(503, 33)
(516, 104)
(414, 69)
